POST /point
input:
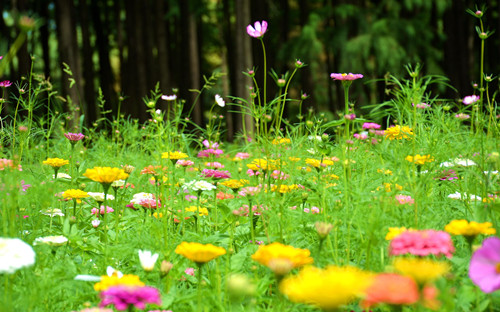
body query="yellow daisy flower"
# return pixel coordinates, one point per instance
(105, 175)
(199, 253)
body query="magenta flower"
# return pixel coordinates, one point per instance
(348, 77)
(422, 243)
(206, 153)
(123, 297)
(74, 137)
(216, 174)
(470, 99)
(258, 30)
(484, 268)
(5, 84)
(210, 144)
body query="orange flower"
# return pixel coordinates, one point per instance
(391, 288)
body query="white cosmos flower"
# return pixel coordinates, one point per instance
(219, 100)
(199, 186)
(464, 196)
(51, 240)
(62, 175)
(52, 212)
(147, 260)
(14, 255)
(169, 97)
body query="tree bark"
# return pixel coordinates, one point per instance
(88, 64)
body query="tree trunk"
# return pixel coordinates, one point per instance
(69, 54)
(162, 44)
(88, 64)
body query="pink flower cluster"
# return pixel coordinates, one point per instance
(215, 164)
(422, 243)
(361, 136)
(371, 125)
(9, 164)
(276, 174)
(123, 297)
(243, 211)
(216, 174)
(5, 84)
(447, 175)
(313, 210)
(184, 163)
(74, 137)
(207, 152)
(470, 99)
(405, 199)
(242, 155)
(97, 212)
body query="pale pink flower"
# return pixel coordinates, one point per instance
(249, 190)
(215, 164)
(216, 174)
(94, 211)
(405, 199)
(470, 99)
(257, 30)
(210, 144)
(96, 222)
(184, 163)
(462, 116)
(74, 137)
(206, 153)
(371, 125)
(252, 173)
(242, 155)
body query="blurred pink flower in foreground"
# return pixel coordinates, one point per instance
(484, 268)
(123, 297)
(405, 199)
(257, 30)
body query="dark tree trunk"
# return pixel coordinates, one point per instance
(69, 54)
(43, 11)
(88, 64)
(162, 43)
(228, 65)
(189, 46)
(148, 46)
(243, 60)
(23, 57)
(99, 13)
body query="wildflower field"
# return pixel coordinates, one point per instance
(356, 213)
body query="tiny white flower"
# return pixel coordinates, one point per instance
(97, 196)
(110, 271)
(169, 97)
(158, 112)
(147, 260)
(96, 222)
(315, 137)
(219, 100)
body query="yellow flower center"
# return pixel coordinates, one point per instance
(497, 268)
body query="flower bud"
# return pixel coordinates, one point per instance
(165, 267)
(281, 82)
(323, 229)
(280, 266)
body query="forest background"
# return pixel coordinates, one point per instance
(125, 47)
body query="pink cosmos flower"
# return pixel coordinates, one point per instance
(404, 199)
(74, 137)
(276, 174)
(252, 173)
(216, 174)
(484, 265)
(123, 297)
(462, 116)
(349, 76)
(361, 136)
(257, 30)
(371, 125)
(210, 144)
(5, 84)
(422, 243)
(249, 190)
(421, 105)
(350, 116)
(470, 99)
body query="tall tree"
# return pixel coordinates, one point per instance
(88, 63)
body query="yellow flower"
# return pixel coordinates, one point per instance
(385, 171)
(398, 133)
(421, 270)
(235, 184)
(328, 288)
(113, 280)
(199, 253)
(55, 162)
(420, 159)
(277, 253)
(105, 175)
(388, 186)
(75, 194)
(394, 232)
(201, 211)
(264, 164)
(283, 188)
(174, 155)
(466, 228)
(294, 159)
(316, 163)
(281, 141)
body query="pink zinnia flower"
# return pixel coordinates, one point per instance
(252, 173)
(349, 76)
(462, 116)
(215, 164)
(276, 174)
(249, 190)
(243, 211)
(206, 153)
(74, 137)
(242, 155)
(484, 268)
(123, 297)
(257, 30)
(95, 211)
(210, 144)
(216, 174)
(184, 163)
(470, 99)
(371, 125)
(361, 136)
(422, 243)
(404, 199)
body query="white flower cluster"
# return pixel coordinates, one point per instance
(14, 255)
(199, 186)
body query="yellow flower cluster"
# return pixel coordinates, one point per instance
(398, 133)
(199, 253)
(201, 211)
(268, 255)
(385, 171)
(234, 183)
(75, 194)
(281, 141)
(421, 270)
(316, 163)
(420, 159)
(294, 159)
(113, 280)
(466, 228)
(395, 231)
(388, 187)
(327, 289)
(105, 175)
(174, 155)
(284, 188)
(264, 164)
(55, 162)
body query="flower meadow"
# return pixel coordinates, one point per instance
(364, 212)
